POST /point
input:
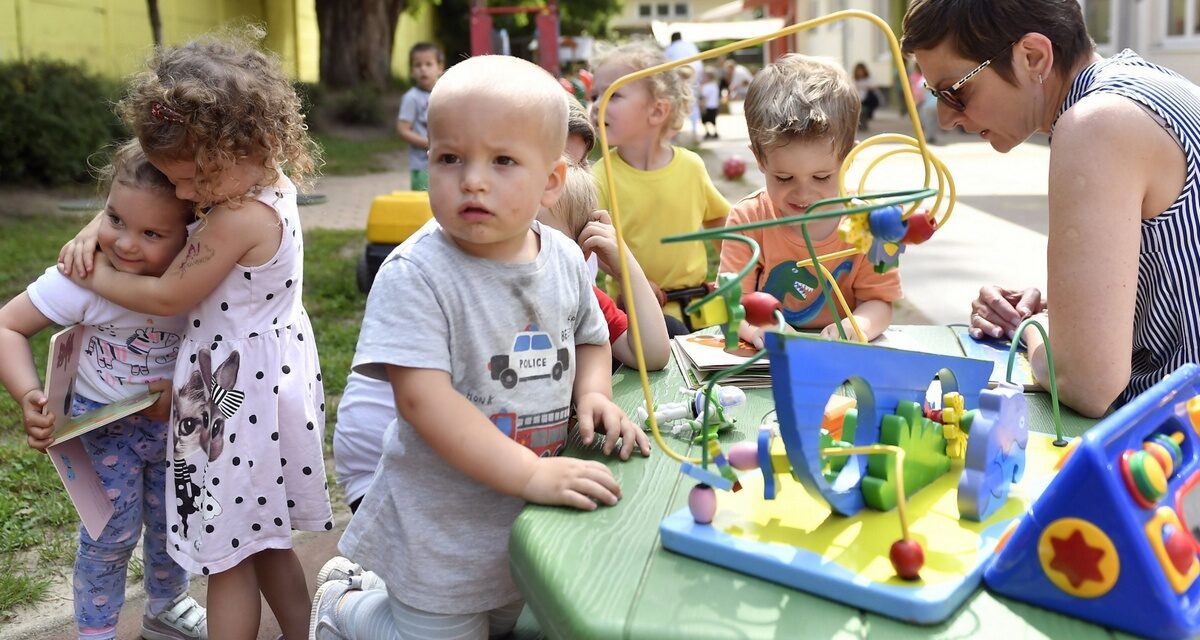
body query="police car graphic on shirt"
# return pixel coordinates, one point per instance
(533, 356)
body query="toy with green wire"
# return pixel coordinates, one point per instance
(812, 507)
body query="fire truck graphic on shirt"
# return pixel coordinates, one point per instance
(542, 433)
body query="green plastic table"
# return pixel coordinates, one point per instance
(604, 574)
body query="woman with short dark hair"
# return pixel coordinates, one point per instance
(1124, 186)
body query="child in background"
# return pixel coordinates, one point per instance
(482, 401)
(801, 113)
(221, 121)
(710, 100)
(367, 405)
(144, 227)
(575, 215)
(425, 62)
(665, 190)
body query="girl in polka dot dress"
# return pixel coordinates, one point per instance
(221, 121)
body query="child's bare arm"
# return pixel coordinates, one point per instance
(594, 405)
(19, 320)
(873, 316)
(76, 255)
(458, 432)
(405, 129)
(249, 234)
(599, 237)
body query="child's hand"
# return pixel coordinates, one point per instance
(161, 409)
(39, 427)
(571, 482)
(831, 332)
(751, 334)
(596, 408)
(599, 236)
(98, 264)
(76, 255)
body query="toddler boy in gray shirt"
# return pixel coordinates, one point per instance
(487, 328)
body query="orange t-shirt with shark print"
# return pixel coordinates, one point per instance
(795, 287)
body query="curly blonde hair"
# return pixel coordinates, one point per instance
(675, 85)
(215, 100)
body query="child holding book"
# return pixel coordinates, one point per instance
(802, 114)
(222, 121)
(482, 402)
(143, 228)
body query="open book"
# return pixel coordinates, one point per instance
(72, 461)
(996, 351)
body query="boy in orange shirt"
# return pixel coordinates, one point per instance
(802, 113)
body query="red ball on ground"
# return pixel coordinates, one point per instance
(733, 167)
(760, 308)
(907, 558)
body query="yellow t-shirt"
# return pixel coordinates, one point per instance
(679, 198)
(776, 272)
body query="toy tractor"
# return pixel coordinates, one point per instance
(393, 218)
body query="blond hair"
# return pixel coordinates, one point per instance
(579, 123)
(578, 200)
(674, 86)
(214, 101)
(508, 83)
(803, 98)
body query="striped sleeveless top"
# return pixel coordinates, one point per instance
(1166, 323)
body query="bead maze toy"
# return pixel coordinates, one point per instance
(1106, 529)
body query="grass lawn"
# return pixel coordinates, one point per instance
(38, 525)
(352, 157)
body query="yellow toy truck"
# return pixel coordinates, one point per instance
(394, 217)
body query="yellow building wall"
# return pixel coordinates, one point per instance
(112, 37)
(412, 28)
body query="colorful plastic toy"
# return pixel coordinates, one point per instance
(1114, 538)
(393, 218)
(995, 453)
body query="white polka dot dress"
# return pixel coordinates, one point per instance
(249, 413)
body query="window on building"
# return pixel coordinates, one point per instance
(662, 10)
(681, 9)
(1098, 15)
(645, 10)
(1177, 18)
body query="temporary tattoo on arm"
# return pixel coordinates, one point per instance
(196, 254)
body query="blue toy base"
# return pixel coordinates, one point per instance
(797, 541)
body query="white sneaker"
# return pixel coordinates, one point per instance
(338, 568)
(322, 623)
(183, 619)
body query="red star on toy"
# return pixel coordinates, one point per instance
(1076, 560)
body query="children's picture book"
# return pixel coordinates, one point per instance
(70, 459)
(996, 351)
(701, 354)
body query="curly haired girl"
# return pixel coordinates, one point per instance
(664, 189)
(221, 121)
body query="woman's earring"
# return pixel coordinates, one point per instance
(1039, 78)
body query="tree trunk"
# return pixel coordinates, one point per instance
(356, 40)
(155, 23)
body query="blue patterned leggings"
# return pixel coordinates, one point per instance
(130, 458)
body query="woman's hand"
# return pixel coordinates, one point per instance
(998, 311)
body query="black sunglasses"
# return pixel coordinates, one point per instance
(949, 96)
